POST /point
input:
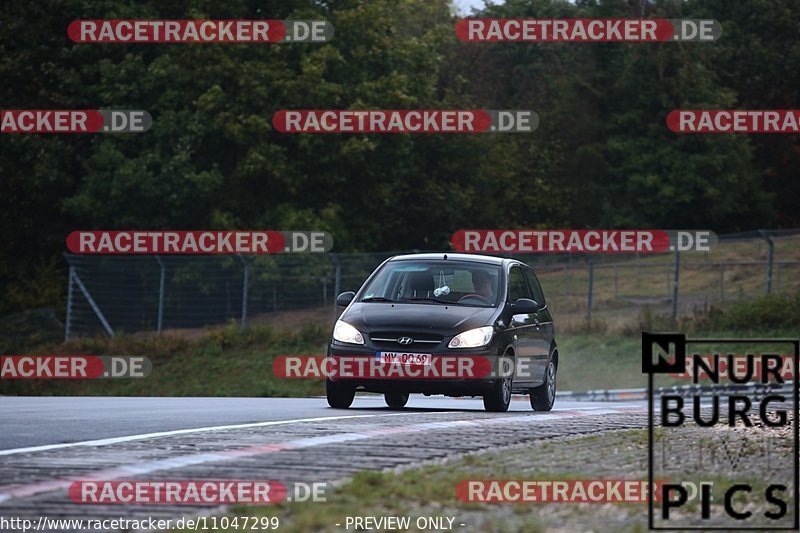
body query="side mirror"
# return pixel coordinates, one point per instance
(526, 306)
(344, 299)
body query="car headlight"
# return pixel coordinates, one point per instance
(344, 332)
(472, 338)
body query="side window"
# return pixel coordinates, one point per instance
(536, 288)
(517, 288)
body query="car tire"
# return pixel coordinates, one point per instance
(340, 395)
(544, 396)
(396, 400)
(498, 398)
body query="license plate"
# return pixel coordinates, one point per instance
(411, 359)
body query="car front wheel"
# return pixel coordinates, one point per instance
(340, 395)
(544, 396)
(498, 398)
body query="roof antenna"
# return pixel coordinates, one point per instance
(445, 257)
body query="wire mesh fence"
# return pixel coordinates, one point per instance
(112, 294)
(138, 293)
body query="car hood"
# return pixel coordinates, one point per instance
(450, 319)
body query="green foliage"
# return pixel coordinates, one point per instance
(35, 327)
(765, 314)
(769, 312)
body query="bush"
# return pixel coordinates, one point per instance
(765, 313)
(35, 327)
(771, 311)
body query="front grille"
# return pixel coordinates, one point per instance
(389, 339)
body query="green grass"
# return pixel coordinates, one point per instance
(588, 362)
(427, 491)
(225, 362)
(600, 361)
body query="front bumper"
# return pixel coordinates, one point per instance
(449, 386)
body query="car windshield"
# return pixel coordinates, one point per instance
(436, 283)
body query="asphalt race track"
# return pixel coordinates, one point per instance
(46, 443)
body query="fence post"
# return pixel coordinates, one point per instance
(68, 324)
(245, 283)
(337, 283)
(98, 313)
(770, 254)
(228, 313)
(676, 284)
(669, 282)
(161, 283)
(589, 296)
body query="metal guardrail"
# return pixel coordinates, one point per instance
(753, 390)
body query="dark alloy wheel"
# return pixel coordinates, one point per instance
(544, 396)
(498, 398)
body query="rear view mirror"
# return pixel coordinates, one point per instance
(344, 299)
(526, 306)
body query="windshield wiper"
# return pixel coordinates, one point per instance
(376, 299)
(427, 299)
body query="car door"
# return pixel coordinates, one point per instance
(542, 325)
(522, 329)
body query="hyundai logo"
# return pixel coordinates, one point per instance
(405, 340)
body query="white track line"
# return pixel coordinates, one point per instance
(144, 436)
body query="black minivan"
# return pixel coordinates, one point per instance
(430, 305)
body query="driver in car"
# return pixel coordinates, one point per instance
(482, 284)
